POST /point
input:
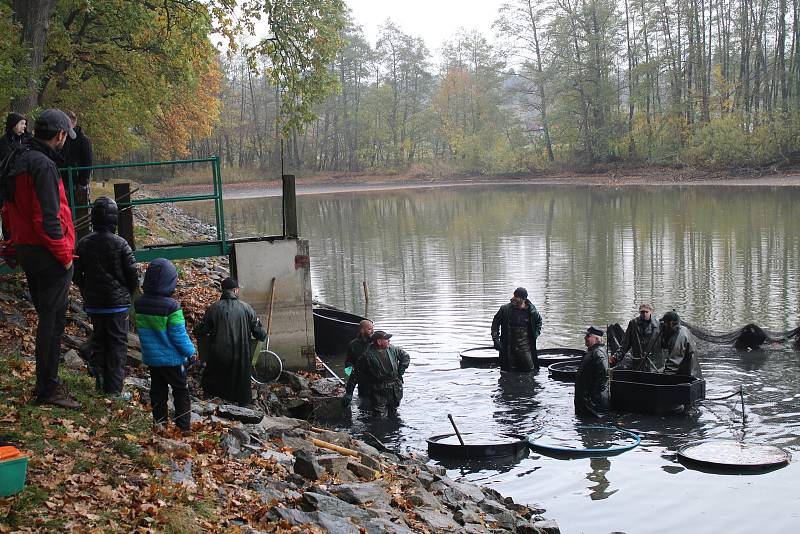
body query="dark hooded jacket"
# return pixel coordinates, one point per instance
(642, 338)
(78, 153)
(592, 386)
(501, 331)
(159, 318)
(10, 140)
(229, 324)
(105, 269)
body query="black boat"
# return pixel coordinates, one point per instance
(333, 330)
(566, 371)
(637, 391)
(487, 356)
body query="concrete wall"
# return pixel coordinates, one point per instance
(254, 262)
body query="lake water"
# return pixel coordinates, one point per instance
(439, 263)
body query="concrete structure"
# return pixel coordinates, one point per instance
(255, 262)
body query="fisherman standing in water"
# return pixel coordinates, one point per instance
(515, 327)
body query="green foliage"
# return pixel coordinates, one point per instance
(13, 59)
(721, 141)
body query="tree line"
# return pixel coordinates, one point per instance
(559, 83)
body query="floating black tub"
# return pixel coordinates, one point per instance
(733, 457)
(636, 391)
(487, 356)
(477, 446)
(333, 330)
(565, 371)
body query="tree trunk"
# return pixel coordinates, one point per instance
(33, 16)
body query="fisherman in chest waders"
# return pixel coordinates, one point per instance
(515, 327)
(641, 339)
(679, 348)
(592, 386)
(381, 369)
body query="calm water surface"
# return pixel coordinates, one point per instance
(439, 262)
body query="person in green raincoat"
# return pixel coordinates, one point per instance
(381, 369)
(678, 347)
(592, 386)
(229, 324)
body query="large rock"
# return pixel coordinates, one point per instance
(502, 516)
(333, 524)
(548, 526)
(327, 387)
(237, 413)
(14, 319)
(436, 520)
(297, 382)
(307, 466)
(280, 457)
(361, 471)
(290, 515)
(371, 492)
(455, 492)
(335, 506)
(329, 409)
(142, 384)
(335, 464)
(73, 361)
(277, 426)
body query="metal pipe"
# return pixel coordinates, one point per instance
(458, 434)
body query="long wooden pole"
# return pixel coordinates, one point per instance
(269, 313)
(366, 299)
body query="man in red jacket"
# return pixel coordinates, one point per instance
(44, 238)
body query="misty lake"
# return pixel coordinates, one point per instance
(439, 263)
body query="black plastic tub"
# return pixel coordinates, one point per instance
(732, 457)
(477, 446)
(566, 371)
(487, 356)
(333, 330)
(636, 391)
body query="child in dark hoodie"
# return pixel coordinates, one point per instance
(166, 347)
(15, 135)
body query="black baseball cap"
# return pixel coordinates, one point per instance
(229, 283)
(380, 334)
(593, 330)
(54, 120)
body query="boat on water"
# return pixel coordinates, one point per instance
(333, 330)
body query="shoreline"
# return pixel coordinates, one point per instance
(360, 182)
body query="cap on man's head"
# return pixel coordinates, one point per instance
(645, 307)
(521, 293)
(671, 316)
(54, 120)
(593, 330)
(379, 334)
(230, 283)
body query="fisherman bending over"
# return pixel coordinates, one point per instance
(592, 388)
(515, 327)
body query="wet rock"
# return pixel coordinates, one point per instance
(306, 466)
(364, 448)
(383, 526)
(299, 408)
(237, 413)
(329, 409)
(371, 492)
(548, 526)
(335, 506)
(73, 361)
(454, 493)
(361, 471)
(503, 517)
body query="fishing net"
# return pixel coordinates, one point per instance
(749, 336)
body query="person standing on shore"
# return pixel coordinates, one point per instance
(15, 134)
(44, 237)
(105, 272)
(592, 387)
(229, 324)
(641, 339)
(515, 328)
(381, 369)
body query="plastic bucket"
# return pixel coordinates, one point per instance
(12, 475)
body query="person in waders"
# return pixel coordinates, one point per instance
(592, 386)
(356, 349)
(515, 327)
(679, 347)
(229, 324)
(381, 369)
(641, 339)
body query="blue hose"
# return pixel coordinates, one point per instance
(608, 451)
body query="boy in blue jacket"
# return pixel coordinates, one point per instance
(166, 347)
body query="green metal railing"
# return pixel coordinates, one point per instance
(176, 251)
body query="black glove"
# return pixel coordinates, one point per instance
(497, 346)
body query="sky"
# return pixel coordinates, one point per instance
(435, 21)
